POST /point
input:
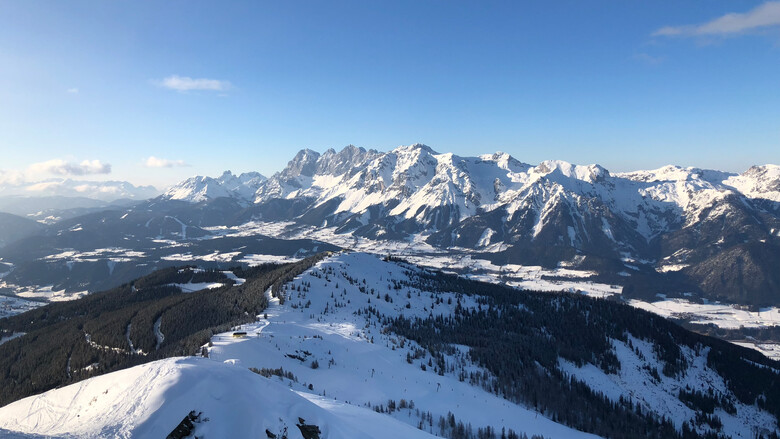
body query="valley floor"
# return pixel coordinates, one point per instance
(325, 357)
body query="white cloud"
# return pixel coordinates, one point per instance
(42, 186)
(156, 162)
(762, 16)
(62, 167)
(185, 83)
(73, 91)
(11, 177)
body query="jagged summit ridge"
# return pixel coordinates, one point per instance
(436, 191)
(201, 188)
(551, 213)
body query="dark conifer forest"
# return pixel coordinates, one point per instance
(519, 337)
(69, 341)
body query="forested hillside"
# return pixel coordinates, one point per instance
(521, 339)
(141, 321)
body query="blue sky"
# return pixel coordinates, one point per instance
(95, 89)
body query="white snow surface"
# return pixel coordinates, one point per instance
(10, 305)
(200, 188)
(360, 367)
(460, 261)
(758, 182)
(416, 182)
(191, 287)
(362, 372)
(150, 400)
(635, 382)
(366, 370)
(771, 350)
(722, 315)
(43, 292)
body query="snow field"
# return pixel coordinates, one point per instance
(151, 399)
(360, 364)
(635, 382)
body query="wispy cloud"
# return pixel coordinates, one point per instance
(156, 162)
(762, 16)
(73, 91)
(185, 83)
(62, 167)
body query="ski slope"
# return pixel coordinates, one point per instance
(329, 361)
(150, 400)
(357, 362)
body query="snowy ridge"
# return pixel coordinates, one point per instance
(199, 188)
(758, 182)
(321, 322)
(150, 400)
(437, 190)
(357, 361)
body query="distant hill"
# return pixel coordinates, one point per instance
(14, 228)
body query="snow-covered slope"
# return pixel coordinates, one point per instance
(761, 182)
(333, 360)
(357, 361)
(199, 188)
(152, 399)
(409, 182)
(414, 189)
(324, 322)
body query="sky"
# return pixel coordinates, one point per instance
(153, 92)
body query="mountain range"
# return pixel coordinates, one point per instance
(711, 232)
(97, 301)
(673, 233)
(66, 187)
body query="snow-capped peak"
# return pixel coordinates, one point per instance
(428, 192)
(196, 189)
(304, 163)
(200, 188)
(587, 173)
(758, 182)
(414, 147)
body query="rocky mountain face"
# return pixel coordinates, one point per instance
(671, 219)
